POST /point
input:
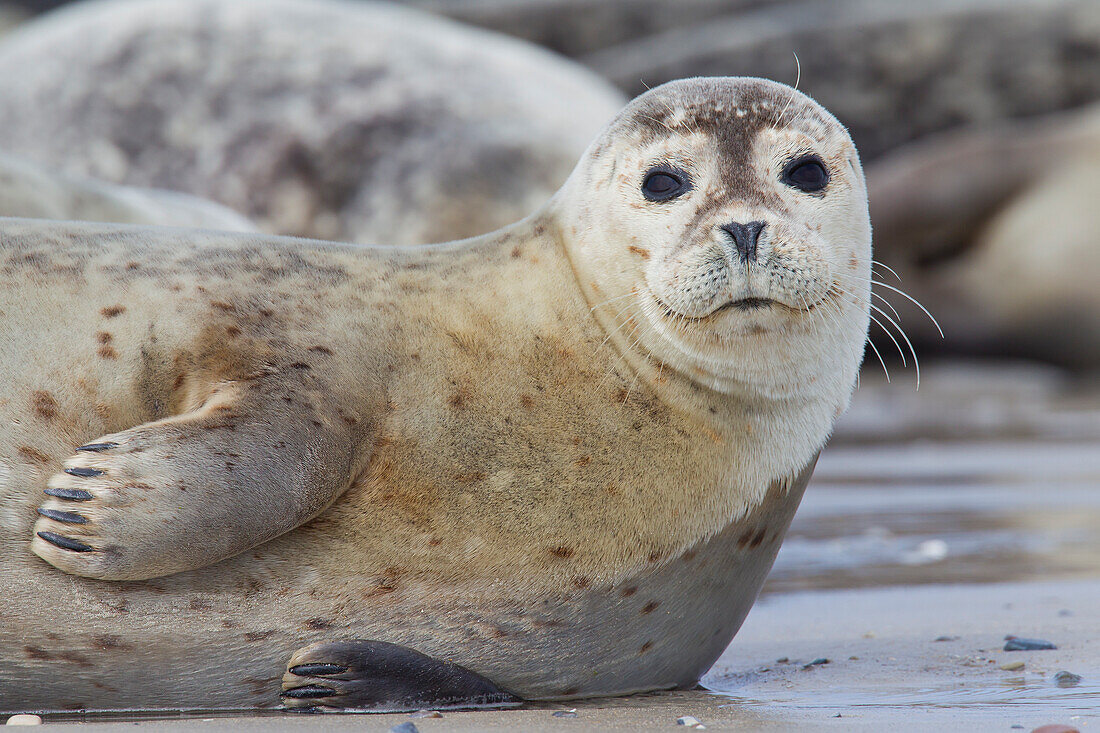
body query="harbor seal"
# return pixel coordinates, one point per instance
(33, 191)
(550, 462)
(335, 119)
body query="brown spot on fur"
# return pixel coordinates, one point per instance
(321, 350)
(629, 591)
(33, 454)
(199, 604)
(584, 460)
(758, 538)
(300, 365)
(78, 659)
(111, 311)
(108, 641)
(643, 253)
(318, 624)
(563, 552)
(689, 555)
(458, 399)
(527, 401)
(107, 352)
(232, 331)
(259, 635)
(45, 406)
(744, 539)
(34, 652)
(582, 581)
(654, 556)
(571, 691)
(646, 647)
(650, 607)
(515, 252)
(853, 262)
(103, 337)
(385, 584)
(469, 478)
(435, 542)
(222, 305)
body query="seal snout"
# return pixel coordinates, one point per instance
(745, 238)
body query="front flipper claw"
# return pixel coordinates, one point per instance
(64, 542)
(377, 676)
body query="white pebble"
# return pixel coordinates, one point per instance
(24, 719)
(690, 722)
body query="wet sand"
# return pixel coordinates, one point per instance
(968, 511)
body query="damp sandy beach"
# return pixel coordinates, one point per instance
(938, 522)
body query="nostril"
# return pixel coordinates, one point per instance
(744, 238)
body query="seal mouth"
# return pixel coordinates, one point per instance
(749, 304)
(743, 305)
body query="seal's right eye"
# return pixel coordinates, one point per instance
(662, 184)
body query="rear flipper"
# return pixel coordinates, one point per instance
(380, 677)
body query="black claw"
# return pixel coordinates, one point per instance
(311, 670)
(70, 494)
(64, 542)
(309, 691)
(83, 472)
(97, 447)
(70, 517)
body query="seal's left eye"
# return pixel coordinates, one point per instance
(806, 173)
(662, 184)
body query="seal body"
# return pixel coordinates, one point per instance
(323, 118)
(496, 452)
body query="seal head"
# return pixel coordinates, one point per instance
(731, 214)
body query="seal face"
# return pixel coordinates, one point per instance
(752, 245)
(555, 461)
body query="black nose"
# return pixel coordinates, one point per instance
(744, 238)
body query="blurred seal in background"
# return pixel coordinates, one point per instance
(998, 230)
(357, 121)
(34, 191)
(891, 70)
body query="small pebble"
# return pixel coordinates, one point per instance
(572, 713)
(405, 727)
(1066, 679)
(1016, 644)
(1012, 666)
(1055, 728)
(782, 660)
(816, 662)
(427, 714)
(690, 722)
(946, 638)
(24, 719)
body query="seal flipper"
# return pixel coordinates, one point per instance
(380, 677)
(190, 490)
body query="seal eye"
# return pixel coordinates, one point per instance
(662, 184)
(806, 173)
